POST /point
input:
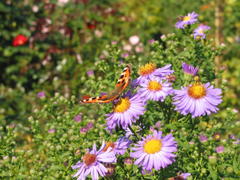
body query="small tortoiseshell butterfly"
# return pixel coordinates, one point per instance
(121, 85)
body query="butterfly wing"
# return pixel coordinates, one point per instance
(98, 99)
(121, 85)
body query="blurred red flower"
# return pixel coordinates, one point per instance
(19, 40)
(92, 25)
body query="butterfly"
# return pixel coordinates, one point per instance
(121, 85)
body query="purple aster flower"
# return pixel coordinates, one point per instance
(78, 118)
(155, 89)
(232, 136)
(185, 175)
(237, 141)
(93, 163)
(189, 69)
(41, 94)
(155, 151)
(150, 70)
(219, 149)
(189, 19)
(182, 176)
(199, 32)
(83, 130)
(118, 147)
(89, 125)
(203, 138)
(128, 133)
(126, 111)
(197, 99)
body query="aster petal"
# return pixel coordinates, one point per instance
(140, 159)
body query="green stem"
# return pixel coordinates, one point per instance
(133, 132)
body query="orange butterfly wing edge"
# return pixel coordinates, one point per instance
(121, 85)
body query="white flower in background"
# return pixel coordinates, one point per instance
(98, 33)
(139, 48)
(134, 40)
(35, 8)
(62, 2)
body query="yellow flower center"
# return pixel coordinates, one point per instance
(154, 86)
(88, 158)
(122, 105)
(108, 144)
(200, 31)
(147, 69)
(197, 91)
(152, 146)
(186, 18)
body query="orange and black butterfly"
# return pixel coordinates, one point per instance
(121, 85)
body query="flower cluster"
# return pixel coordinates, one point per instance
(154, 151)
(153, 85)
(189, 19)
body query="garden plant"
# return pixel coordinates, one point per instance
(90, 98)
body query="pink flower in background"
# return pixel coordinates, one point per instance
(127, 47)
(203, 138)
(125, 55)
(139, 48)
(78, 118)
(220, 149)
(158, 124)
(114, 42)
(134, 40)
(90, 73)
(41, 94)
(83, 130)
(151, 41)
(89, 125)
(50, 131)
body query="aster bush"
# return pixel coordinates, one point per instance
(169, 123)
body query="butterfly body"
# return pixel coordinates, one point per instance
(121, 85)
